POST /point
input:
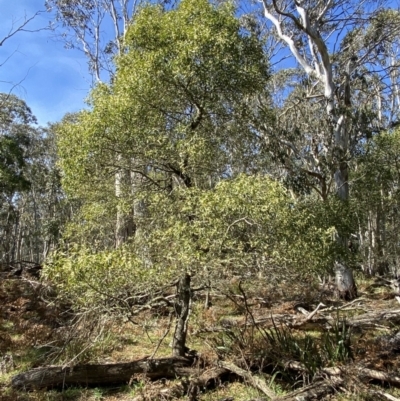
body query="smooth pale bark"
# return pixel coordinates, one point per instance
(319, 67)
(124, 221)
(97, 27)
(322, 69)
(394, 77)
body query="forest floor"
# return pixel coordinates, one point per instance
(290, 337)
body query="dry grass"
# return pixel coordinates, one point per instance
(26, 325)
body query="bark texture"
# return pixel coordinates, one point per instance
(346, 287)
(94, 375)
(182, 309)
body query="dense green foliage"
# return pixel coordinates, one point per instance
(187, 160)
(179, 104)
(249, 225)
(15, 130)
(176, 129)
(376, 202)
(206, 171)
(32, 203)
(179, 111)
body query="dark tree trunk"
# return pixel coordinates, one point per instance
(182, 309)
(94, 375)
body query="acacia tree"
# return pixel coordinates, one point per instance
(178, 113)
(175, 113)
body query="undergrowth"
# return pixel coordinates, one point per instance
(285, 357)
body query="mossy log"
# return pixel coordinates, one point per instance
(106, 374)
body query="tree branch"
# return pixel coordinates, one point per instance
(295, 51)
(21, 28)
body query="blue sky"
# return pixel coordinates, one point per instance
(51, 79)
(36, 67)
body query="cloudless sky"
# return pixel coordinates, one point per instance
(36, 67)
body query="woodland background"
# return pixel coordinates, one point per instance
(234, 151)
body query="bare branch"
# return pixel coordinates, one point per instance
(288, 15)
(324, 10)
(22, 28)
(290, 42)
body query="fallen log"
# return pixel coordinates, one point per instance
(384, 395)
(319, 321)
(105, 374)
(207, 378)
(359, 372)
(314, 391)
(375, 318)
(253, 380)
(372, 374)
(185, 387)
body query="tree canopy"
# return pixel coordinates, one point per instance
(231, 156)
(179, 110)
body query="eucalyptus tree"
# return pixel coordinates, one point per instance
(337, 45)
(95, 27)
(14, 27)
(21, 25)
(32, 204)
(339, 91)
(43, 209)
(377, 49)
(16, 130)
(376, 194)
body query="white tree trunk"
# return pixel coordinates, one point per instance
(322, 69)
(124, 220)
